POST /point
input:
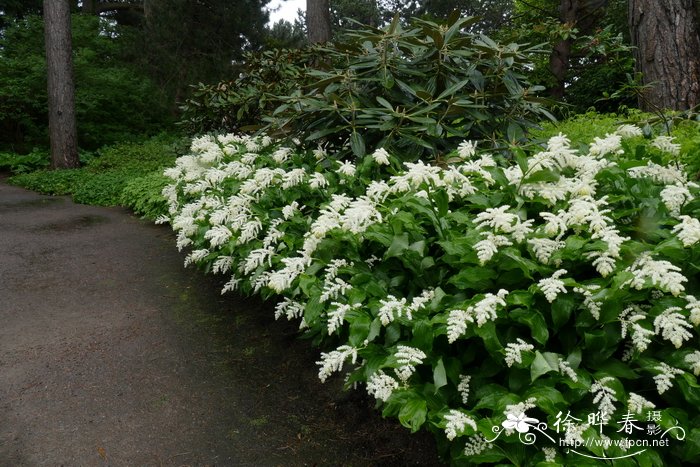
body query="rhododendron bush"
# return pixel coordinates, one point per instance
(515, 305)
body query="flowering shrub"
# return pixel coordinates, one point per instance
(481, 299)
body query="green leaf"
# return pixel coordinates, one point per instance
(413, 414)
(439, 375)
(359, 329)
(384, 103)
(398, 245)
(691, 446)
(542, 364)
(549, 399)
(357, 144)
(475, 278)
(562, 307)
(535, 321)
(545, 175)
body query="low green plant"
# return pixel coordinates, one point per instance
(22, 163)
(107, 172)
(524, 309)
(144, 195)
(684, 127)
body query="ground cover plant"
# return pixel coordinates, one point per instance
(526, 308)
(128, 174)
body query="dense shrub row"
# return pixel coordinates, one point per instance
(478, 298)
(418, 91)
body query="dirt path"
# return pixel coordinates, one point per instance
(112, 354)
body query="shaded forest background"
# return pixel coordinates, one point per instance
(137, 62)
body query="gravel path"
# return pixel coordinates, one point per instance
(112, 354)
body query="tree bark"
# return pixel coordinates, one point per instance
(667, 41)
(318, 21)
(559, 59)
(61, 89)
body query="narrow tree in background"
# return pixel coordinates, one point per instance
(667, 40)
(61, 89)
(318, 21)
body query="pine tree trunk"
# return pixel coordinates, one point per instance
(62, 126)
(318, 21)
(559, 59)
(667, 41)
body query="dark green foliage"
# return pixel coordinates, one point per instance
(417, 92)
(180, 42)
(23, 101)
(240, 104)
(105, 176)
(114, 101)
(601, 57)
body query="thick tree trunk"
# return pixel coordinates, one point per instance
(62, 126)
(559, 59)
(667, 41)
(318, 21)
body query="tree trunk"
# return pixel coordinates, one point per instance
(559, 59)
(318, 21)
(667, 41)
(62, 127)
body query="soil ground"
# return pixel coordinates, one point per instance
(113, 354)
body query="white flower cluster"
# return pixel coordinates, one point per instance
(693, 359)
(392, 308)
(565, 369)
(688, 230)
(629, 131)
(675, 197)
(381, 385)
(333, 361)
(476, 445)
(666, 144)
(463, 387)
(637, 404)
(559, 157)
(482, 311)
(493, 222)
(457, 421)
(661, 274)
(408, 358)
(664, 380)
(518, 409)
(672, 326)
(289, 308)
(629, 320)
(589, 302)
(604, 396)
(514, 351)
(552, 286)
(693, 308)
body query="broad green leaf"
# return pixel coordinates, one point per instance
(562, 307)
(398, 245)
(357, 144)
(439, 375)
(543, 363)
(474, 278)
(535, 321)
(413, 414)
